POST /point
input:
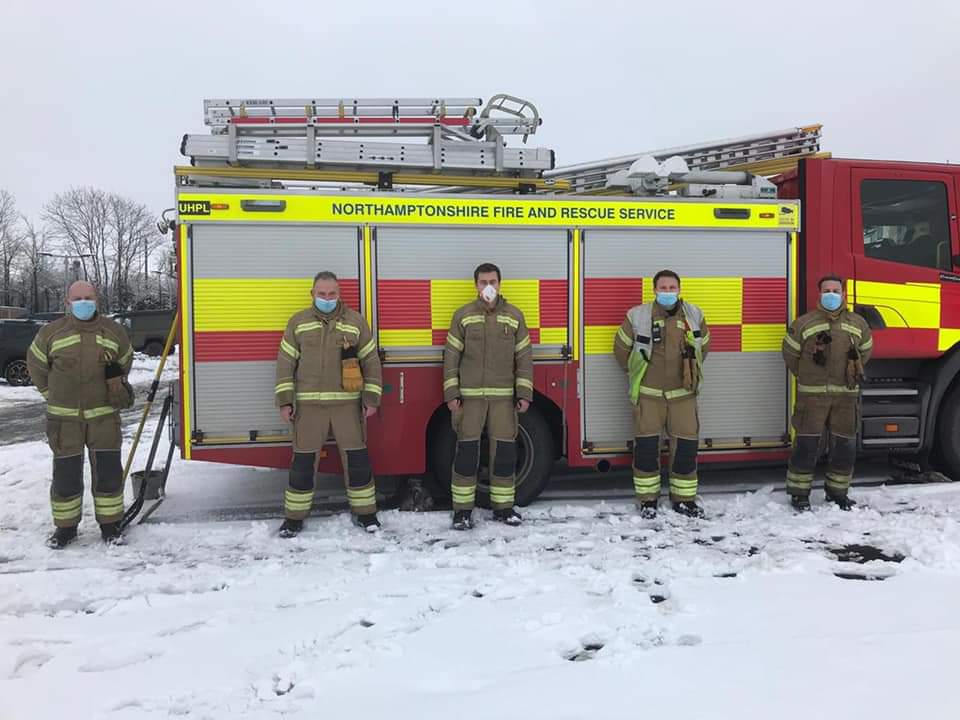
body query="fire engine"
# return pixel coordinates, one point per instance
(402, 198)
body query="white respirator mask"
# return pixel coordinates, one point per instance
(489, 293)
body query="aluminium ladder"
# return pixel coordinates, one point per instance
(334, 134)
(766, 153)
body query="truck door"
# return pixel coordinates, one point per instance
(905, 245)
(247, 280)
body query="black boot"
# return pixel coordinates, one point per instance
(648, 509)
(688, 508)
(463, 519)
(111, 533)
(62, 537)
(842, 501)
(291, 528)
(367, 522)
(508, 516)
(800, 503)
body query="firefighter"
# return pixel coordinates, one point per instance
(661, 346)
(826, 350)
(328, 377)
(487, 380)
(79, 364)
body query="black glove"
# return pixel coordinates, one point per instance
(349, 352)
(119, 392)
(852, 354)
(823, 340)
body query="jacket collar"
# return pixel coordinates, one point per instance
(481, 304)
(835, 315)
(83, 325)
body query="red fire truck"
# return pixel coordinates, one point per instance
(284, 188)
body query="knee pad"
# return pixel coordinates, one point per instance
(68, 476)
(646, 452)
(843, 453)
(301, 471)
(685, 457)
(109, 471)
(505, 458)
(804, 457)
(467, 459)
(358, 467)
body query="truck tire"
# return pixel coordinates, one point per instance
(948, 432)
(16, 373)
(153, 348)
(535, 457)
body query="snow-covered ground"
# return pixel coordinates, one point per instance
(584, 612)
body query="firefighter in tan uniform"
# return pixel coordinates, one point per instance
(662, 346)
(79, 364)
(487, 379)
(826, 350)
(328, 377)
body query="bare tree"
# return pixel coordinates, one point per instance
(106, 232)
(133, 237)
(10, 242)
(34, 275)
(77, 220)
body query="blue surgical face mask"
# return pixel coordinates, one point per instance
(667, 299)
(831, 301)
(324, 305)
(83, 309)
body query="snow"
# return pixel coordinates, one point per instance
(144, 368)
(584, 611)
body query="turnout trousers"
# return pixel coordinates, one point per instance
(311, 428)
(678, 420)
(499, 417)
(67, 439)
(839, 415)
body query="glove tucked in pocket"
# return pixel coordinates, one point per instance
(119, 392)
(351, 376)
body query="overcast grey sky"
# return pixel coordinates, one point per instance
(100, 92)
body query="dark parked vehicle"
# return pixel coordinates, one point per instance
(15, 339)
(147, 329)
(46, 316)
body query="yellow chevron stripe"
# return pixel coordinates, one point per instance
(762, 338)
(419, 337)
(216, 306)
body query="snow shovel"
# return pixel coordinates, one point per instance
(147, 475)
(132, 512)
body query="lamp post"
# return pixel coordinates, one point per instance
(159, 274)
(76, 266)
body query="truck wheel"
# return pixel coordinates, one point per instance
(153, 348)
(535, 456)
(16, 373)
(948, 434)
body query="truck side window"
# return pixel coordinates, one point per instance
(906, 221)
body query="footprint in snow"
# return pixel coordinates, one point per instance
(587, 651)
(118, 663)
(28, 663)
(182, 628)
(655, 588)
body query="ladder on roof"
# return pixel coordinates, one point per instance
(768, 153)
(334, 134)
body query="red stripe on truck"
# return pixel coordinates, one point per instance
(236, 346)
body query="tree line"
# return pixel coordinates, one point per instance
(84, 233)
